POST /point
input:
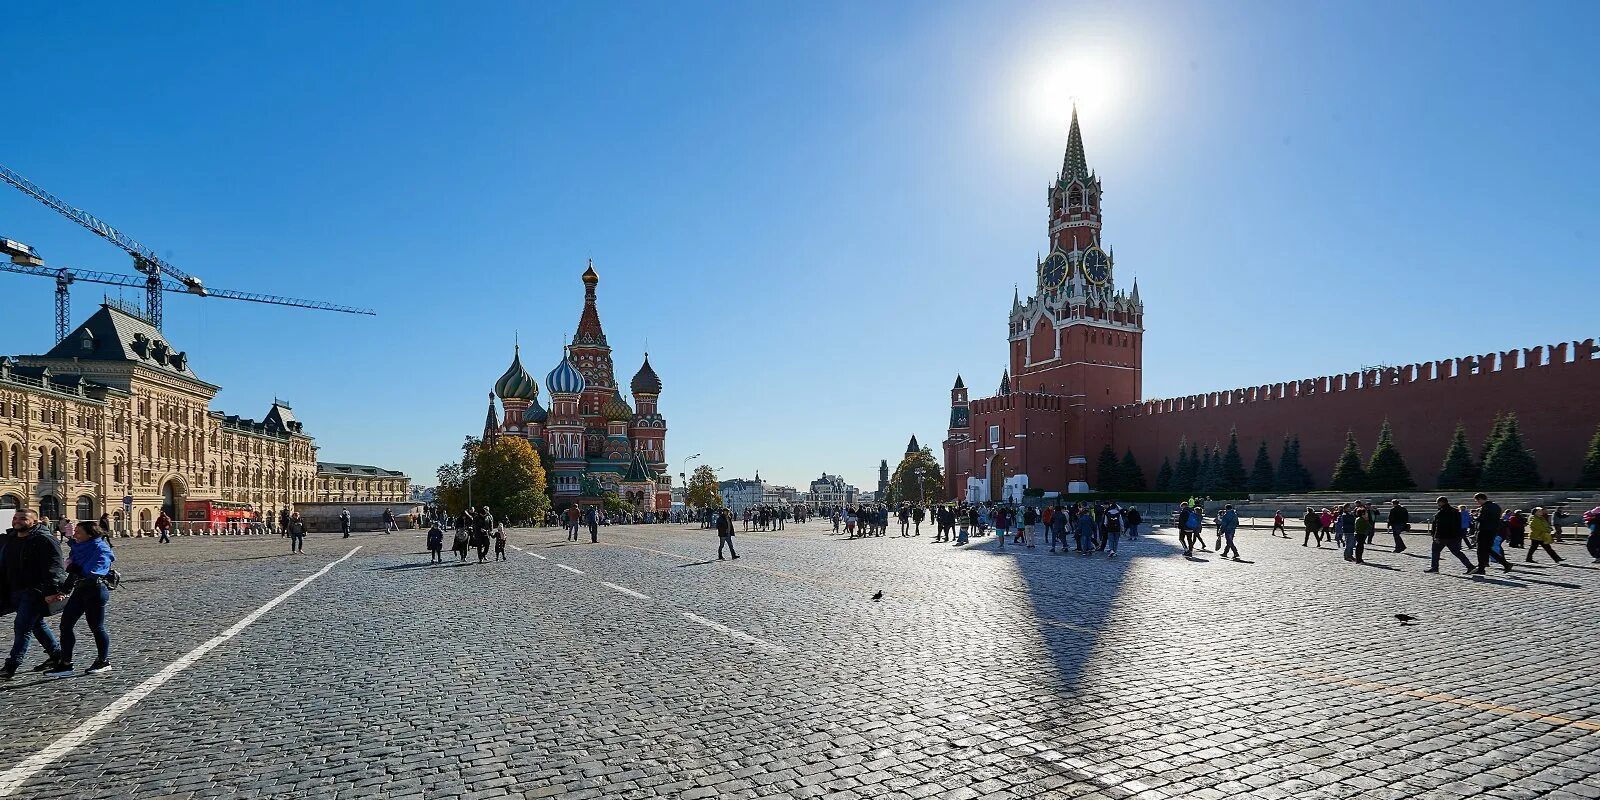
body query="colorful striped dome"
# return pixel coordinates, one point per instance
(516, 384)
(565, 379)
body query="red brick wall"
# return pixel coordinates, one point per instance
(1555, 400)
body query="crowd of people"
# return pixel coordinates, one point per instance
(1080, 527)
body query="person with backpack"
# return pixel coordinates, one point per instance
(89, 572)
(1112, 529)
(1227, 525)
(435, 544)
(462, 541)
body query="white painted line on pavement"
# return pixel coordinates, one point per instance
(516, 548)
(12, 779)
(625, 590)
(541, 558)
(761, 644)
(573, 570)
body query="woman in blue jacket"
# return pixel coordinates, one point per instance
(87, 566)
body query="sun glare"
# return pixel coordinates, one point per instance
(1050, 80)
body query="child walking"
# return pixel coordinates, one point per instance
(500, 542)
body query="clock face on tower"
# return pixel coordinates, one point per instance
(1053, 272)
(1097, 266)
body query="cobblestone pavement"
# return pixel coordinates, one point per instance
(642, 667)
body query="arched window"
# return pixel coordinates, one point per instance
(116, 471)
(1075, 195)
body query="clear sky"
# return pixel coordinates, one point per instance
(814, 213)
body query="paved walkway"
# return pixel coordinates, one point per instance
(642, 667)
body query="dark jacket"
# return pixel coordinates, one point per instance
(31, 564)
(1399, 518)
(296, 527)
(724, 525)
(1489, 523)
(1447, 525)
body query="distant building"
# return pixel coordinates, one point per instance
(831, 490)
(358, 483)
(114, 420)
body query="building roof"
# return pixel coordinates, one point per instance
(516, 383)
(356, 470)
(638, 471)
(589, 333)
(646, 381)
(1073, 165)
(114, 334)
(565, 379)
(535, 412)
(616, 409)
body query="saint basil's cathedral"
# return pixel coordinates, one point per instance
(595, 440)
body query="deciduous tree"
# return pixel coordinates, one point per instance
(702, 491)
(510, 479)
(904, 485)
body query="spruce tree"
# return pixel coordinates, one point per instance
(1348, 475)
(1108, 470)
(1231, 475)
(1292, 475)
(1509, 464)
(1208, 477)
(1164, 476)
(1495, 432)
(1183, 476)
(1262, 476)
(1130, 473)
(1590, 477)
(1386, 469)
(1458, 471)
(1304, 475)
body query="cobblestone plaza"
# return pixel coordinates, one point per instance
(642, 667)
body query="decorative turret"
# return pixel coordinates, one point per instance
(491, 428)
(912, 446)
(645, 381)
(565, 379)
(1005, 382)
(516, 384)
(960, 409)
(616, 409)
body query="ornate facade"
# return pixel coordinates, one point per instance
(1073, 385)
(114, 420)
(596, 441)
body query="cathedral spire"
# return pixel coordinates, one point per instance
(589, 331)
(490, 427)
(1074, 165)
(1005, 382)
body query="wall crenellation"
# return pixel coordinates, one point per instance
(1464, 368)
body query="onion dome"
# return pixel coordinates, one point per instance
(565, 379)
(516, 384)
(646, 381)
(590, 277)
(534, 412)
(616, 409)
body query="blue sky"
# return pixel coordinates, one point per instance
(814, 213)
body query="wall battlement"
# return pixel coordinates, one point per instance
(1578, 354)
(1015, 400)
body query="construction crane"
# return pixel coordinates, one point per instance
(66, 277)
(152, 266)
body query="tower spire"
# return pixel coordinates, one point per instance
(490, 427)
(1074, 165)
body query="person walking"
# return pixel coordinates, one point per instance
(388, 521)
(88, 568)
(105, 527)
(1591, 518)
(1058, 529)
(32, 577)
(1489, 516)
(1399, 523)
(1083, 530)
(344, 521)
(572, 517)
(1313, 523)
(164, 527)
(725, 535)
(296, 529)
(462, 541)
(592, 518)
(1359, 531)
(1542, 534)
(1111, 530)
(1277, 524)
(1133, 518)
(435, 544)
(482, 526)
(1227, 524)
(1446, 530)
(500, 542)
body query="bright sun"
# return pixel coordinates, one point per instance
(1091, 79)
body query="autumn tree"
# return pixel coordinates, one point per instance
(509, 478)
(907, 485)
(702, 491)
